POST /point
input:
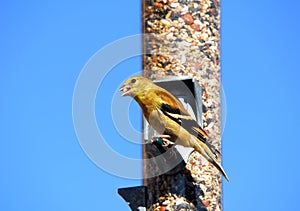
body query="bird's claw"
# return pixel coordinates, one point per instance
(163, 140)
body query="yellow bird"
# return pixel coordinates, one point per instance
(166, 114)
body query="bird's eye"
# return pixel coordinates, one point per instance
(133, 81)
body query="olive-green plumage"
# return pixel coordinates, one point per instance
(166, 114)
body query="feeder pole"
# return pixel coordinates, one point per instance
(182, 39)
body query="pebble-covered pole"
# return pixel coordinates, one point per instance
(183, 39)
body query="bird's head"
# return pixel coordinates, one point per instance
(135, 85)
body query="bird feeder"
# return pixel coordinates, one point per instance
(182, 38)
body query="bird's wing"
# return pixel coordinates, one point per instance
(173, 108)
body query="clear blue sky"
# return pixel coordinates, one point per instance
(45, 44)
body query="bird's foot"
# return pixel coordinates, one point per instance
(163, 140)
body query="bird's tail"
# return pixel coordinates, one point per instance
(204, 150)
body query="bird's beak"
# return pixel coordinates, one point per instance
(126, 89)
